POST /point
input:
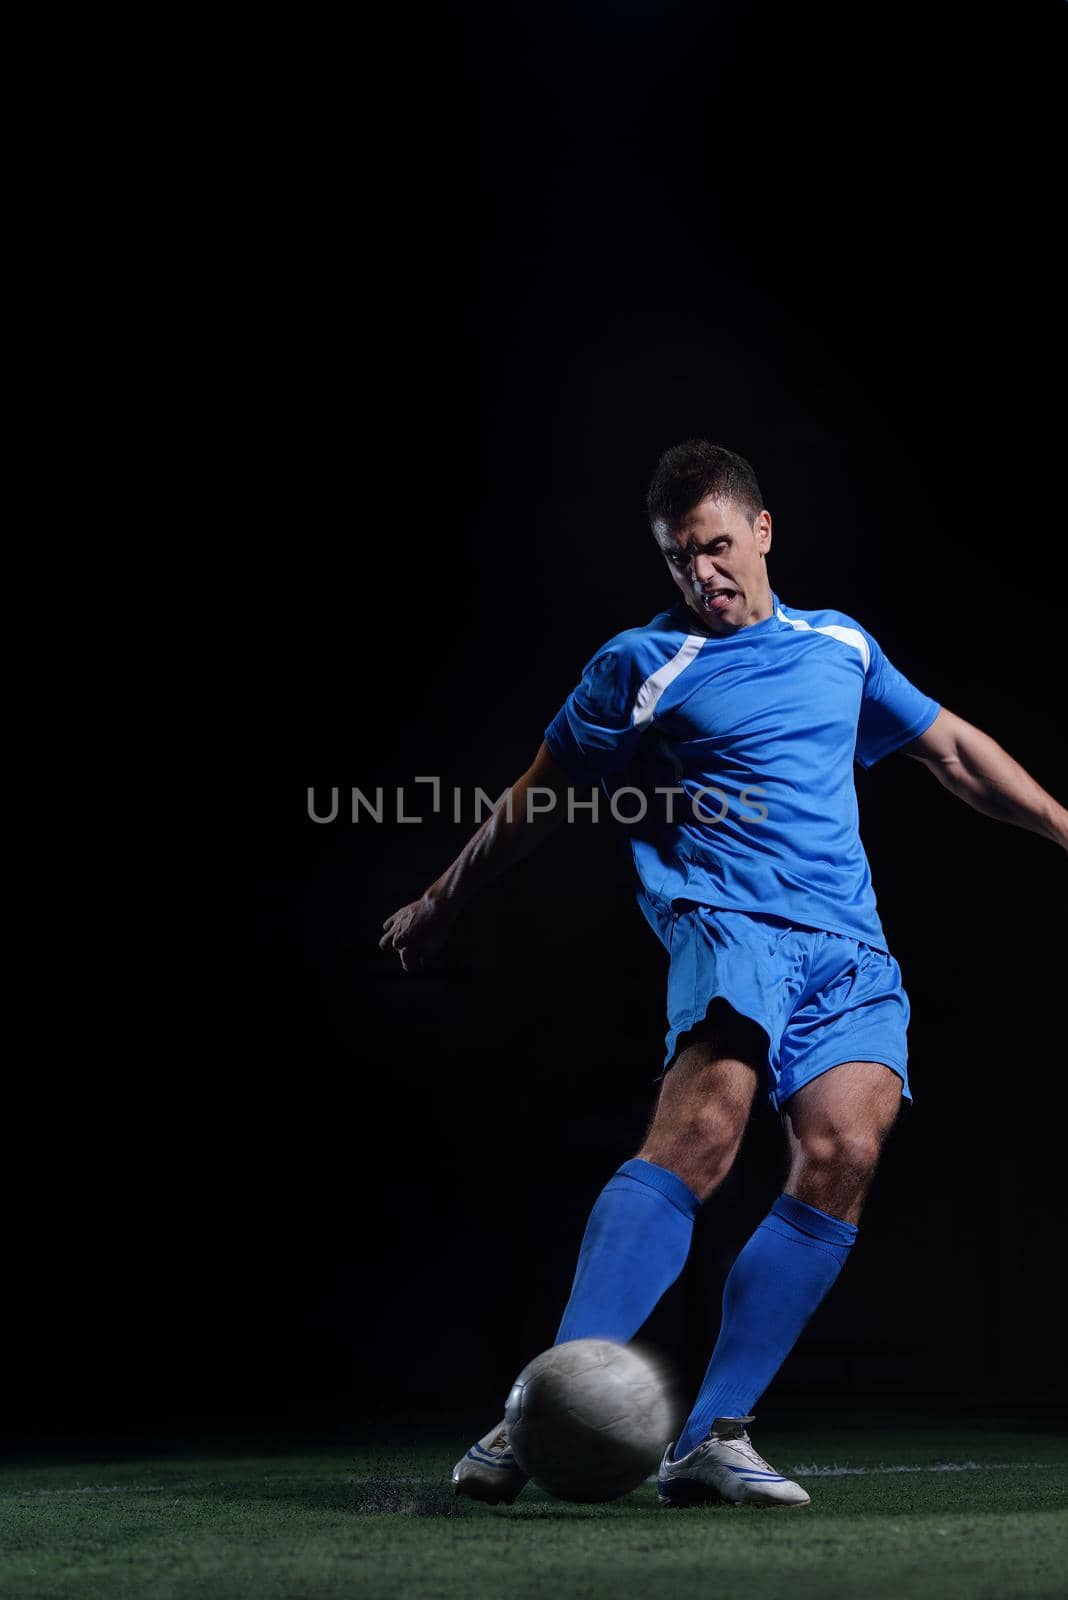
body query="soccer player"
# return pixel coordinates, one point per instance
(734, 720)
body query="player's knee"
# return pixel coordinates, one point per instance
(840, 1153)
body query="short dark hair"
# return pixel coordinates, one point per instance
(688, 472)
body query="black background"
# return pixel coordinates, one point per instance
(365, 350)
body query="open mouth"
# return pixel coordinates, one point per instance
(718, 599)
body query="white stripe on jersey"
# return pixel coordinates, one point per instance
(648, 695)
(850, 636)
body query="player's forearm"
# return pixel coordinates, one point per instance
(986, 776)
(515, 828)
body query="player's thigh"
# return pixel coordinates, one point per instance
(846, 1112)
(709, 1088)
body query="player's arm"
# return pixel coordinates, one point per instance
(974, 767)
(532, 809)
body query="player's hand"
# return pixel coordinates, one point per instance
(416, 931)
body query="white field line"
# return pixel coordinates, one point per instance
(812, 1470)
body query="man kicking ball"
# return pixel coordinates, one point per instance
(735, 720)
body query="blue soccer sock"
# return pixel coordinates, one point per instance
(775, 1285)
(635, 1245)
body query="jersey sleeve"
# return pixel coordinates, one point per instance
(593, 733)
(893, 711)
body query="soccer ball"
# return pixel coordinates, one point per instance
(589, 1420)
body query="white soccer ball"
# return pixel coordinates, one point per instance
(589, 1420)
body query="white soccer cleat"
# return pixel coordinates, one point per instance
(725, 1467)
(489, 1471)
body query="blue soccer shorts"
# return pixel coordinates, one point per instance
(821, 998)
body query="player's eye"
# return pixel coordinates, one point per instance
(677, 558)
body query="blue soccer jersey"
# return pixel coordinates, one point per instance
(739, 750)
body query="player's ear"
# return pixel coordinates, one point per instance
(762, 527)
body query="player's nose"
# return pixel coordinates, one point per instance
(704, 567)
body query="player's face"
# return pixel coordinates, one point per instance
(716, 557)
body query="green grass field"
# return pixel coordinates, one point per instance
(957, 1511)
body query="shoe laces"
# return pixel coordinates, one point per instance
(499, 1442)
(731, 1430)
